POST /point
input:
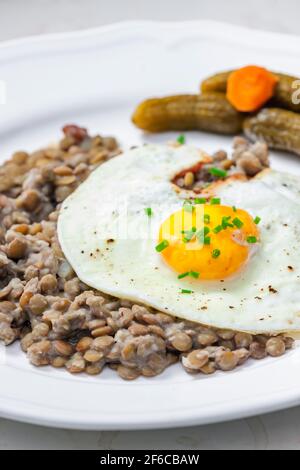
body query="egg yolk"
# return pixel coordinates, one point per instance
(212, 242)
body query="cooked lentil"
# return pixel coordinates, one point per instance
(62, 322)
(247, 159)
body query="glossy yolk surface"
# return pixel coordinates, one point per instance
(196, 243)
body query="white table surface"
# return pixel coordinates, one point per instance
(19, 18)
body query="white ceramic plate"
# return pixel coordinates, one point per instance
(95, 78)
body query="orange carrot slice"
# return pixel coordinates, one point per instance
(249, 88)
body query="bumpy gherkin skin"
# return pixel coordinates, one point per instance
(280, 129)
(210, 112)
(217, 82)
(284, 91)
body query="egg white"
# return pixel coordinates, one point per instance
(110, 242)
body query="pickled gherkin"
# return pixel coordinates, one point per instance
(278, 128)
(217, 82)
(209, 112)
(284, 91)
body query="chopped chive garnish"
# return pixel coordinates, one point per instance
(216, 253)
(181, 139)
(226, 223)
(182, 276)
(148, 211)
(218, 229)
(215, 200)
(194, 274)
(218, 172)
(189, 235)
(234, 209)
(162, 246)
(188, 206)
(186, 291)
(251, 240)
(193, 229)
(257, 220)
(201, 234)
(207, 240)
(237, 222)
(206, 218)
(200, 200)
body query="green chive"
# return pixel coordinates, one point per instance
(200, 200)
(194, 274)
(181, 139)
(188, 206)
(206, 230)
(251, 240)
(182, 276)
(188, 237)
(257, 220)
(193, 229)
(218, 229)
(148, 211)
(162, 246)
(237, 222)
(201, 234)
(215, 201)
(218, 172)
(226, 223)
(234, 209)
(216, 253)
(207, 240)
(186, 291)
(206, 218)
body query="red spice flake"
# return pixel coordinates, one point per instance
(75, 132)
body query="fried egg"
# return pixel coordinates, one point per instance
(227, 258)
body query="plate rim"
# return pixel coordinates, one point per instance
(36, 414)
(211, 27)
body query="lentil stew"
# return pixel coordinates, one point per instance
(59, 320)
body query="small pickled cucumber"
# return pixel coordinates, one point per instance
(278, 128)
(284, 91)
(217, 82)
(209, 112)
